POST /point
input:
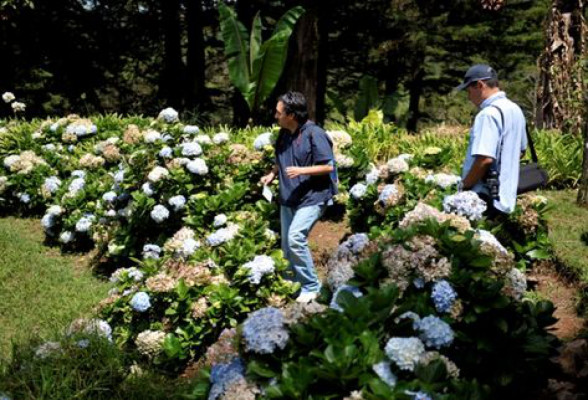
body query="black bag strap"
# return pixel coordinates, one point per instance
(529, 139)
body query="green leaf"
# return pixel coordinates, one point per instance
(270, 61)
(234, 37)
(255, 42)
(255, 367)
(368, 97)
(172, 346)
(539, 254)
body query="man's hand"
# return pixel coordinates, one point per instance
(293, 172)
(267, 179)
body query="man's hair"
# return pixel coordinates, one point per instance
(491, 83)
(295, 103)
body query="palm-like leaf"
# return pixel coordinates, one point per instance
(269, 64)
(236, 47)
(255, 43)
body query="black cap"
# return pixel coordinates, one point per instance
(479, 72)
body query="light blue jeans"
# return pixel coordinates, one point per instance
(296, 225)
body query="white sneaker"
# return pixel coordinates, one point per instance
(307, 297)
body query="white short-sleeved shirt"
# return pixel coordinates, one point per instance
(485, 140)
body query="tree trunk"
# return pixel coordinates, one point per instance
(415, 91)
(195, 73)
(561, 87)
(172, 76)
(306, 71)
(583, 190)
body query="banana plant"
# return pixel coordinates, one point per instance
(256, 66)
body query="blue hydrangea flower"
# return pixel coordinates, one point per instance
(405, 352)
(443, 296)
(49, 147)
(264, 331)
(191, 129)
(151, 251)
(119, 176)
(191, 149)
(435, 332)
(166, 152)
(197, 166)
(372, 176)
(109, 197)
(260, 266)
(76, 185)
(84, 224)
(388, 192)
(52, 184)
(159, 213)
(189, 246)
(140, 302)
(262, 140)
(177, 202)
(24, 198)
(409, 315)
(358, 191)
(48, 221)
(467, 204)
(382, 369)
(223, 375)
(419, 283)
(343, 288)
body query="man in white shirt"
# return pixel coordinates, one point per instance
(497, 140)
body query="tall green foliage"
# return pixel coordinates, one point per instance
(255, 66)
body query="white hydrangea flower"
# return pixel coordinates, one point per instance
(262, 140)
(191, 149)
(340, 139)
(151, 136)
(66, 237)
(344, 161)
(443, 180)
(219, 220)
(169, 115)
(197, 166)
(203, 139)
(17, 106)
(191, 129)
(157, 174)
(150, 343)
(159, 213)
(147, 189)
(221, 137)
(8, 97)
(358, 191)
(397, 165)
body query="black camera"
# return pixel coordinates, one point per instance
(493, 184)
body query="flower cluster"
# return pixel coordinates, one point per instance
(350, 252)
(122, 274)
(419, 257)
(80, 128)
(405, 352)
(197, 166)
(23, 163)
(467, 204)
(397, 165)
(150, 343)
(168, 115)
(222, 235)
(263, 140)
(515, 284)
(390, 195)
(140, 302)
(91, 161)
(423, 212)
(159, 213)
(443, 180)
(434, 332)
(191, 149)
(94, 326)
(264, 331)
(443, 296)
(258, 267)
(358, 190)
(340, 139)
(183, 243)
(382, 369)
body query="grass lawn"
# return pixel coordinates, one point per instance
(41, 291)
(567, 221)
